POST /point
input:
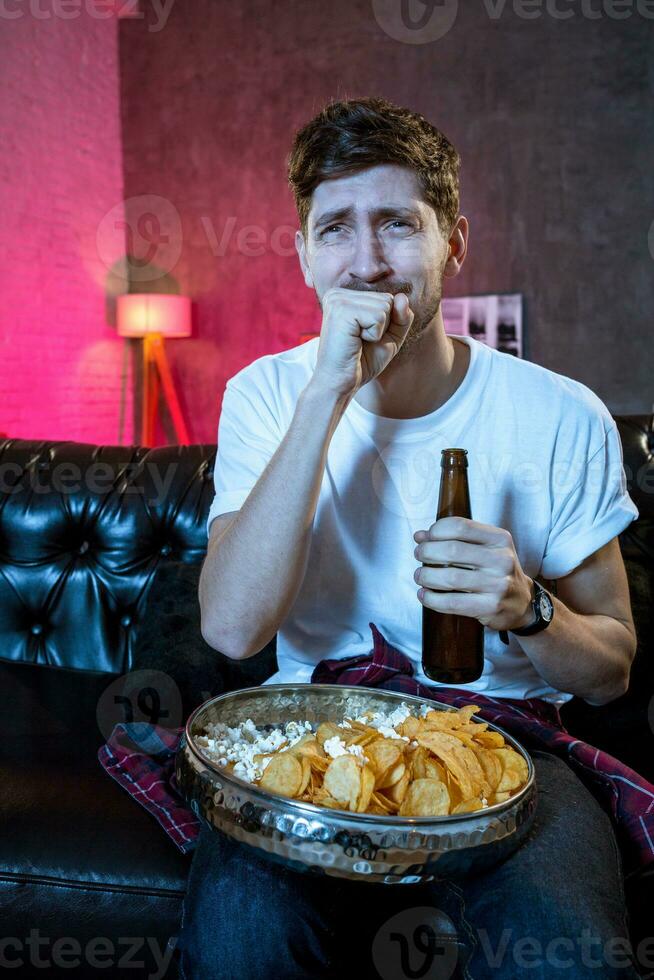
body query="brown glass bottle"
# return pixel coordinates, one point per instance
(452, 646)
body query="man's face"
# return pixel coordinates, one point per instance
(374, 231)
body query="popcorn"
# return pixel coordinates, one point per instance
(241, 743)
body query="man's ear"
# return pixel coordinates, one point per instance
(300, 247)
(457, 247)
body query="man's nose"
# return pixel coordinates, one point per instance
(368, 262)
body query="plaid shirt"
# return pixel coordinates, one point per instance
(141, 757)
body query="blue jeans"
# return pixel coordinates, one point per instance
(555, 907)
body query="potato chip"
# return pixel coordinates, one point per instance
(434, 769)
(460, 760)
(333, 804)
(425, 798)
(467, 806)
(303, 740)
(377, 809)
(446, 763)
(392, 776)
(491, 765)
(383, 755)
(306, 774)
(392, 806)
(409, 727)
(519, 763)
(360, 726)
(417, 765)
(466, 713)
(343, 780)
(380, 800)
(367, 787)
(453, 789)
(361, 738)
(491, 740)
(514, 769)
(398, 790)
(328, 729)
(282, 775)
(442, 721)
(319, 764)
(310, 747)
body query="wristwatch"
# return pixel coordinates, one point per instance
(543, 608)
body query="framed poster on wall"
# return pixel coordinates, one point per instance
(494, 319)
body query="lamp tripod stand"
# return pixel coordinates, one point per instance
(152, 317)
(156, 372)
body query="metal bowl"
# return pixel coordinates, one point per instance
(358, 846)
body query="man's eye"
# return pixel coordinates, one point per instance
(329, 228)
(405, 224)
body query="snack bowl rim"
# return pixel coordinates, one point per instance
(312, 809)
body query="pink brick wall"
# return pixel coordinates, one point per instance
(60, 173)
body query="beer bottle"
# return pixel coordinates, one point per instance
(452, 646)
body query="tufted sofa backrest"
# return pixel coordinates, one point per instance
(83, 529)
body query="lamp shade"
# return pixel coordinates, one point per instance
(140, 314)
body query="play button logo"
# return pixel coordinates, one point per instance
(415, 21)
(416, 944)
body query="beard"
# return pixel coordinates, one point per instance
(421, 321)
(423, 316)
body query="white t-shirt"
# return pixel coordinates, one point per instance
(544, 461)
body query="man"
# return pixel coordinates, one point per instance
(323, 521)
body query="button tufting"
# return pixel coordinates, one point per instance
(83, 548)
(126, 620)
(166, 549)
(36, 628)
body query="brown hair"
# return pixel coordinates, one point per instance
(347, 136)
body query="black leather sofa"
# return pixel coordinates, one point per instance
(100, 552)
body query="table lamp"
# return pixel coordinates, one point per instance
(153, 317)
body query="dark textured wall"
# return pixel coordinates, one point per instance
(553, 120)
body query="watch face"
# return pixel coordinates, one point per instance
(546, 607)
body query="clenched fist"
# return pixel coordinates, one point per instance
(362, 331)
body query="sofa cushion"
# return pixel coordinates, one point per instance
(170, 640)
(78, 857)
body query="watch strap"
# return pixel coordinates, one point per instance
(538, 622)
